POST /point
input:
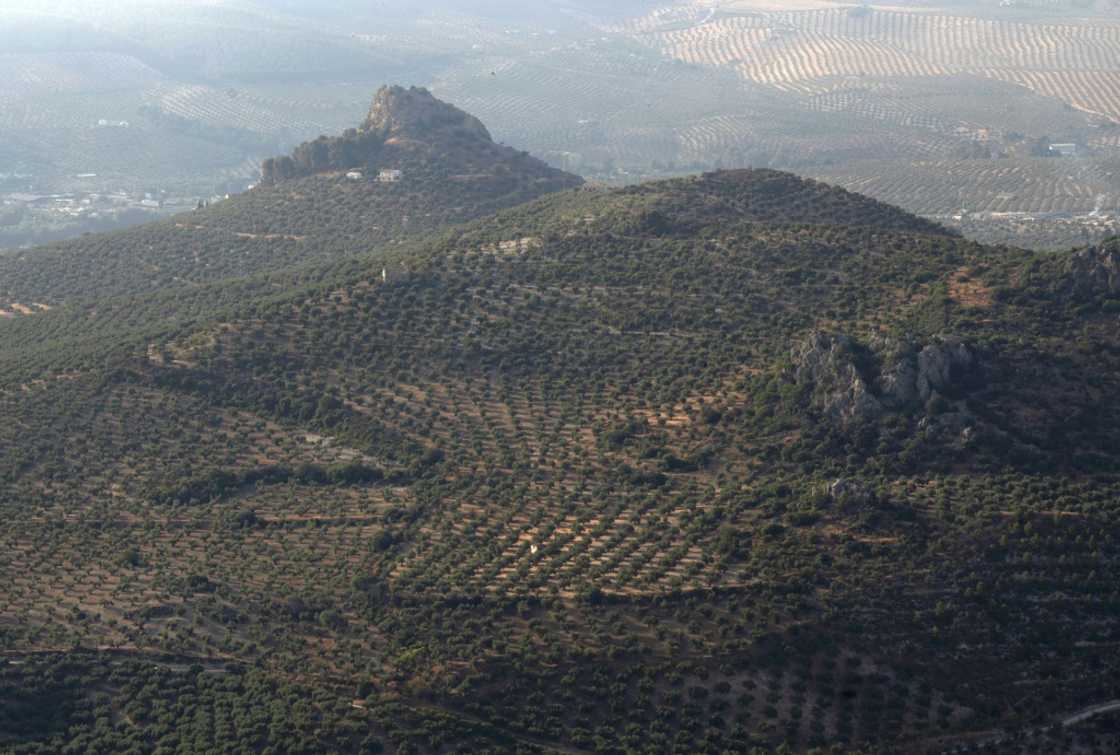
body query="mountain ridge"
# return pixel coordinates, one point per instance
(412, 112)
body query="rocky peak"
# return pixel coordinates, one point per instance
(414, 113)
(410, 130)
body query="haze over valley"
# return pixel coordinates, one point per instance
(953, 110)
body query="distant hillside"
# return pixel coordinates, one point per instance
(771, 196)
(450, 172)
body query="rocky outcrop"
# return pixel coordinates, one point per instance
(409, 113)
(898, 379)
(942, 368)
(403, 123)
(828, 366)
(913, 374)
(850, 492)
(848, 381)
(1095, 270)
(957, 427)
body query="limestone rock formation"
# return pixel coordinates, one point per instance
(848, 381)
(408, 113)
(1095, 270)
(942, 366)
(827, 366)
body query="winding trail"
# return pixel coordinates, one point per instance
(998, 737)
(1087, 713)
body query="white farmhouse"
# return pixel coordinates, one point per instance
(389, 176)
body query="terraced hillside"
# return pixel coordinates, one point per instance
(946, 186)
(737, 462)
(927, 85)
(804, 50)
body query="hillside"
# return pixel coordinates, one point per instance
(449, 174)
(931, 106)
(720, 464)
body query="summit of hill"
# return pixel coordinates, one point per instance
(415, 165)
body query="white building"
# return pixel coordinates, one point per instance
(389, 176)
(355, 175)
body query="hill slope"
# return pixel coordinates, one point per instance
(701, 466)
(450, 173)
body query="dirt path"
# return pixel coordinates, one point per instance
(997, 737)
(243, 235)
(1087, 713)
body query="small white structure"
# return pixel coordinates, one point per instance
(355, 175)
(389, 176)
(393, 276)
(1064, 150)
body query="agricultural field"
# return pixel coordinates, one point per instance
(425, 446)
(581, 476)
(922, 80)
(947, 186)
(802, 50)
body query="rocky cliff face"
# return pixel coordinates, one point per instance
(828, 366)
(850, 382)
(414, 112)
(1095, 271)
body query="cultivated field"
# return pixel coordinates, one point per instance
(947, 186)
(801, 50)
